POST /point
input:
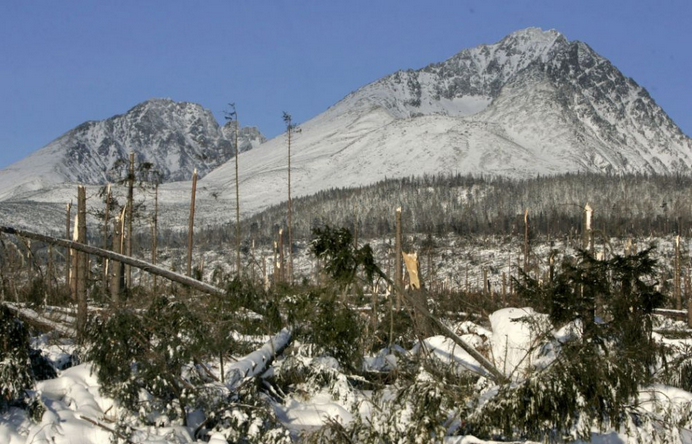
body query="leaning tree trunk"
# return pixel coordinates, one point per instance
(145, 266)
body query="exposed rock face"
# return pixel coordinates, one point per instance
(175, 137)
(531, 104)
(249, 137)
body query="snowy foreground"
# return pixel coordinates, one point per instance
(77, 412)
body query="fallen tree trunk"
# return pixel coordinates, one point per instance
(33, 317)
(258, 361)
(494, 373)
(143, 265)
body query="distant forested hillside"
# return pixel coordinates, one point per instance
(623, 205)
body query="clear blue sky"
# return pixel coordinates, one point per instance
(66, 62)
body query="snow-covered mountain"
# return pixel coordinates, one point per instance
(532, 103)
(249, 137)
(175, 137)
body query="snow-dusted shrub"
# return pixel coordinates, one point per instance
(139, 357)
(678, 370)
(325, 322)
(20, 366)
(334, 329)
(16, 375)
(425, 405)
(301, 374)
(595, 379)
(246, 417)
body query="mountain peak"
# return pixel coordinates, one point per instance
(534, 34)
(176, 137)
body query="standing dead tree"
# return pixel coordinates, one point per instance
(290, 129)
(106, 217)
(191, 226)
(82, 261)
(130, 212)
(233, 115)
(68, 260)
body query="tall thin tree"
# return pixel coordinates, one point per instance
(130, 212)
(106, 218)
(68, 251)
(233, 116)
(191, 227)
(155, 231)
(290, 128)
(82, 261)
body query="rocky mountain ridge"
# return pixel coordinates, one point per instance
(175, 137)
(533, 103)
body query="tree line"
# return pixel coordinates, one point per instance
(625, 205)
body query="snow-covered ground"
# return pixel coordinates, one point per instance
(76, 412)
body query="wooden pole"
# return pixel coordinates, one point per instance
(191, 226)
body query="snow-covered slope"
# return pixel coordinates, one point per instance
(533, 103)
(175, 137)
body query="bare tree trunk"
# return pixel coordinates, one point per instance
(587, 242)
(688, 294)
(68, 252)
(677, 281)
(254, 262)
(191, 227)
(264, 272)
(237, 202)
(74, 259)
(398, 278)
(282, 262)
(105, 235)
(116, 267)
(526, 241)
(29, 262)
(155, 232)
(82, 261)
(51, 270)
(486, 283)
(276, 277)
(355, 224)
(290, 225)
(130, 211)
